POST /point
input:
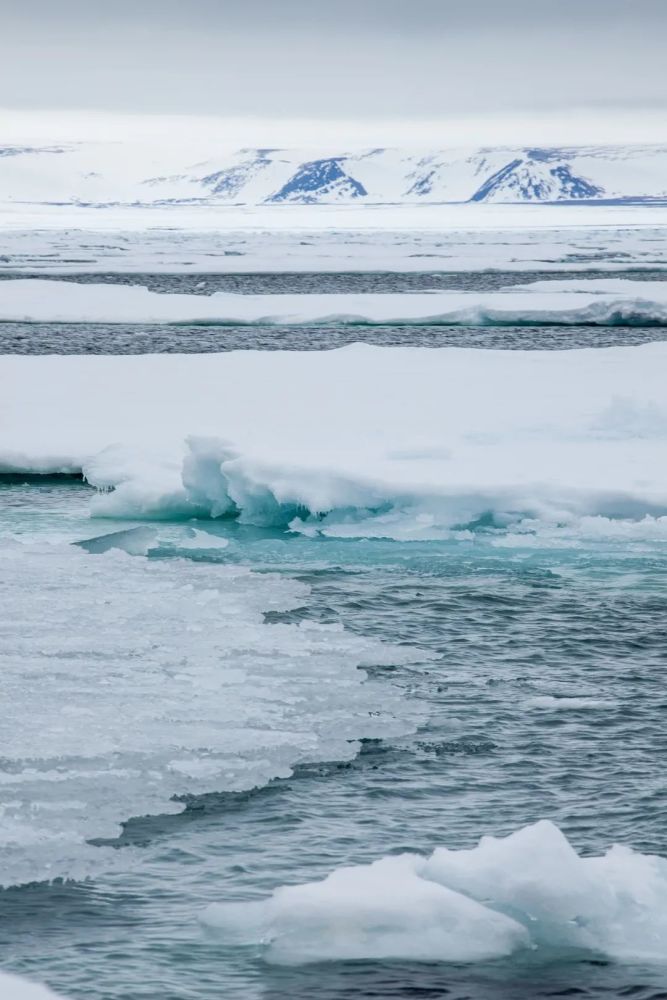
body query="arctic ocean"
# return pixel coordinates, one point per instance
(333, 500)
(333, 642)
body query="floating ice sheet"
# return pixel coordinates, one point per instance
(128, 681)
(603, 302)
(392, 442)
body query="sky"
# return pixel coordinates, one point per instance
(589, 66)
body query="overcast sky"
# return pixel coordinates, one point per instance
(350, 60)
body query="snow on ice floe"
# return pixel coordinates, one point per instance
(392, 442)
(528, 891)
(604, 301)
(17, 988)
(130, 681)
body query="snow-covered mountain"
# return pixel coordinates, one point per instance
(138, 174)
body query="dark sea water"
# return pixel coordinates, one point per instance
(100, 338)
(502, 621)
(309, 282)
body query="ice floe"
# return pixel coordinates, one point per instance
(603, 301)
(394, 442)
(529, 891)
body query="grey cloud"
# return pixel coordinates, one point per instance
(349, 58)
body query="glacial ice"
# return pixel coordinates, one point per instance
(128, 681)
(604, 301)
(397, 442)
(529, 890)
